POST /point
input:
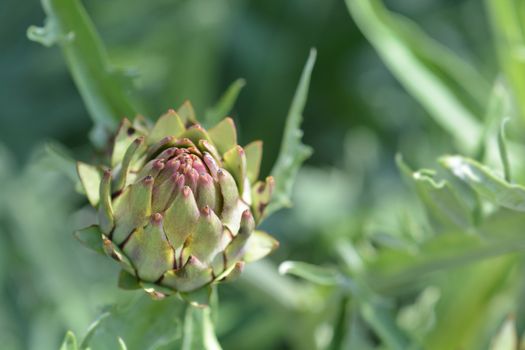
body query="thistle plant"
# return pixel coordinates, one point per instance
(178, 204)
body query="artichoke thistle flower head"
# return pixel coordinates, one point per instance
(178, 204)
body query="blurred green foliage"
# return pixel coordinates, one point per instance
(431, 265)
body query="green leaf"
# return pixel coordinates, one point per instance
(168, 124)
(293, 153)
(507, 337)
(224, 135)
(225, 104)
(259, 245)
(381, 320)
(432, 74)
(91, 237)
(253, 153)
(70, 342)
(312, 273)
(444, 206)
(394, 268)
(485, 182)
(91, 331)
(507, 25)
(90, 177)
(100, 85)
(198, 330)
(502, 147)
(499, 106)
(128, 281)
(61, 160)
(142, 323)
(122, 344)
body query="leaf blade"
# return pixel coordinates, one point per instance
(293, 153)
(102, 90)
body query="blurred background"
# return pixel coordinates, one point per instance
(357, 118)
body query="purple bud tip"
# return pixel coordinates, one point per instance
(186, 191)
(156, 218)
(240, 150)
(171, 163)
(167, 139)
(202, 180)
(220, 172)
(148, 180)
(240, 265)
(246, 214)
(159, 164)
(206, 211)
(107, 174)
(179, 180)
(139, 140)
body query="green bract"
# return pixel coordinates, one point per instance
(178, 205)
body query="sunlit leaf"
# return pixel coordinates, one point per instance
(486, 183)
(315, 274)
(415, 59)
(507, 25)
(70, 342)
(507, 337)
(444, 206)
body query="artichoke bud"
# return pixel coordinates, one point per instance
(179, 204)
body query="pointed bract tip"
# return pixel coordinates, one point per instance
(205, 179)
(170, 151)
(139, 140)
(192, 260)
(156, 219)
(148, 180)
(247, 214)
(107, 174)
(159, 164)
(239, 265)
(179, 181)
(167, 139)
(186, 191)
(240, 150)
(206, 211)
